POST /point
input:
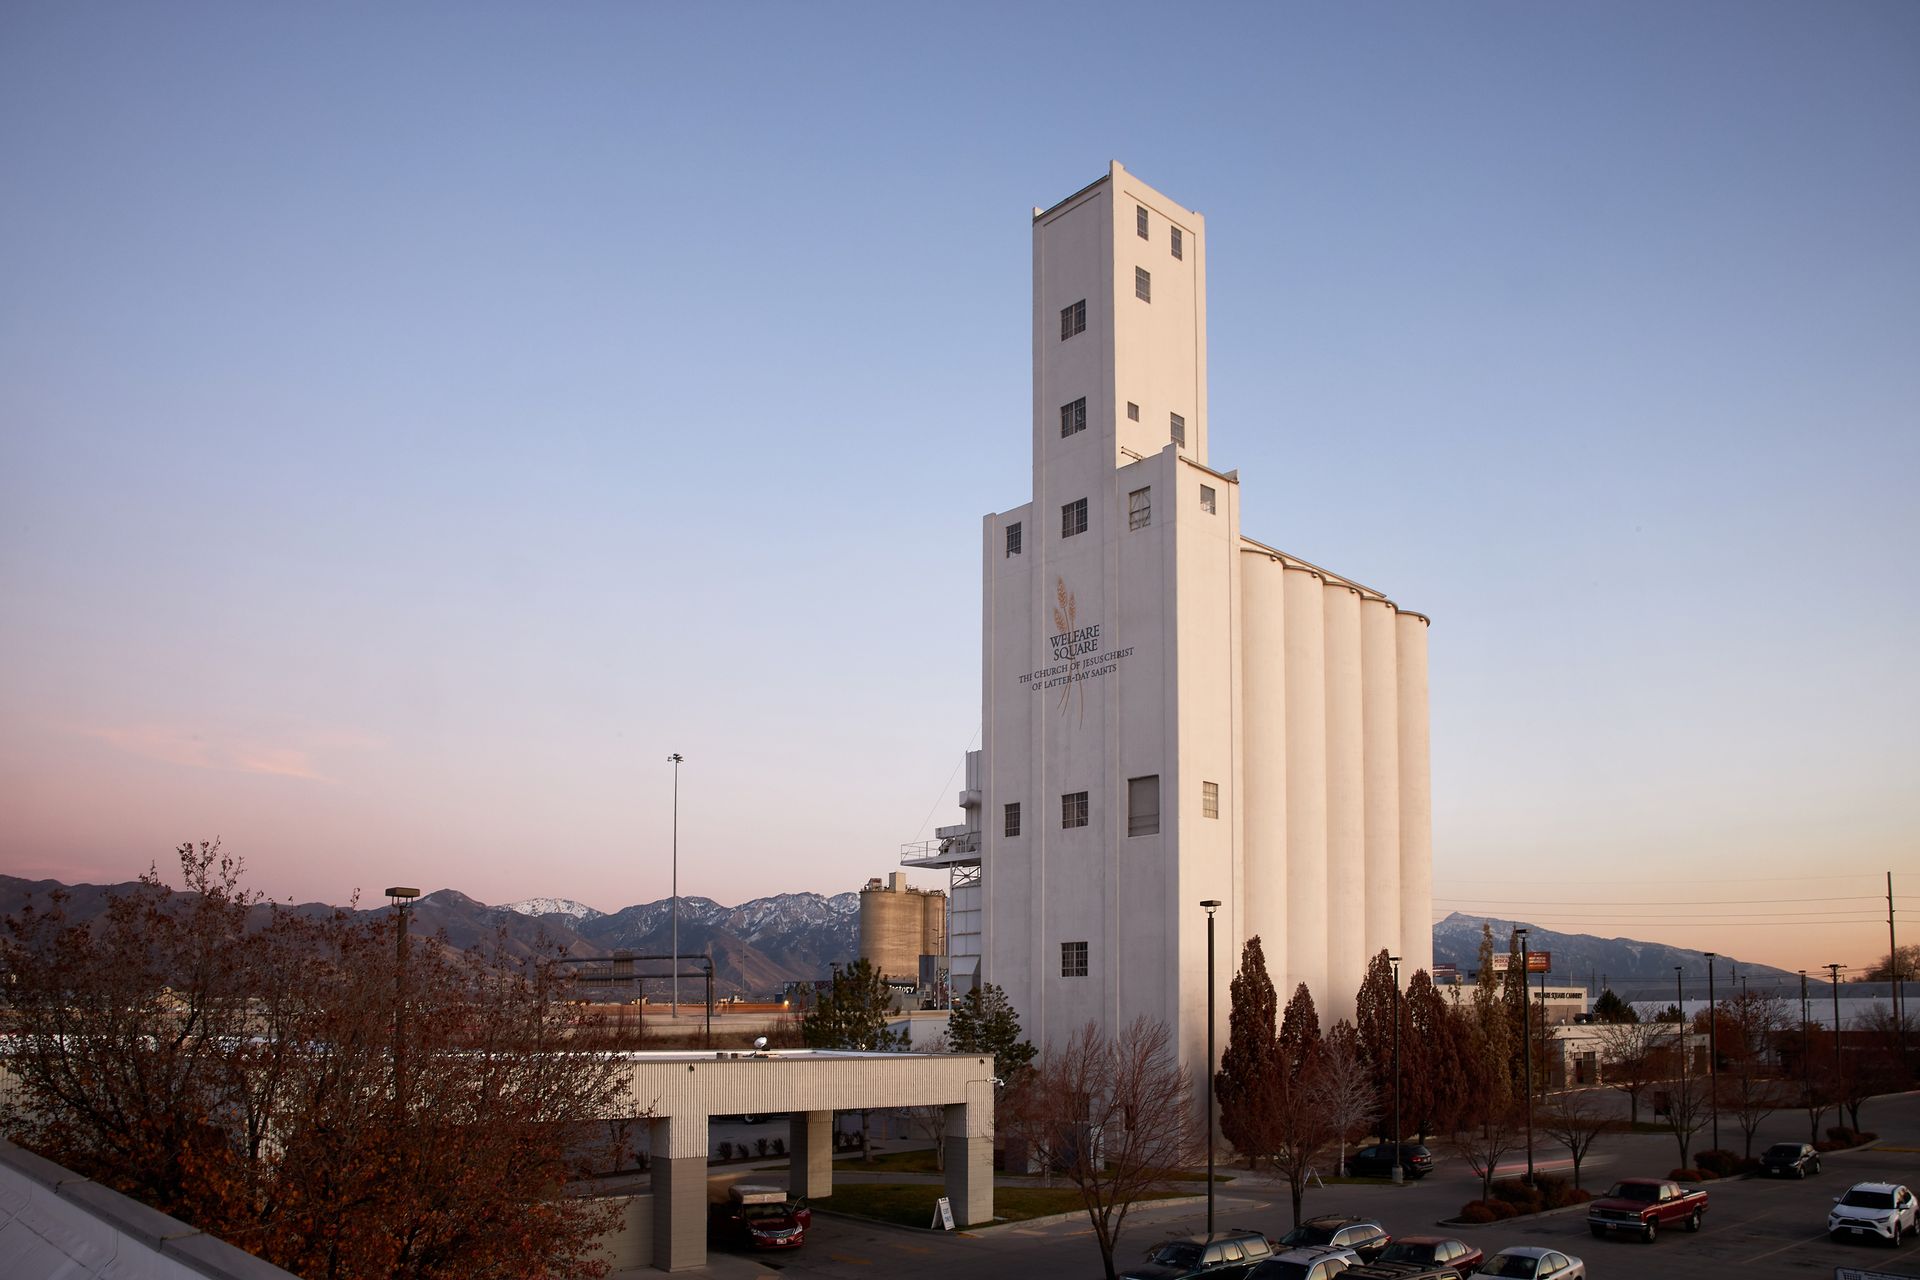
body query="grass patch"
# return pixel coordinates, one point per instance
(918, 1161)
(911, 1204)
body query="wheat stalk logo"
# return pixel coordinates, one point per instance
(1065, 613)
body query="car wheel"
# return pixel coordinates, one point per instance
(1650, 1230)
(1800, 1171)
(1693, 1223)
(1896, 1233)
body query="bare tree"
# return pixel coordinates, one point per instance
(1344, 1090)
(931, 1122)
(1750, 1026)
(1687, 1110)
(1115, 1113)
(1633, 1059)
(1575, 1119)
(1484, 1145)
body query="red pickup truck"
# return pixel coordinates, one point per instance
(1641, 1206)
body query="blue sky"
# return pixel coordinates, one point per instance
(415, 423)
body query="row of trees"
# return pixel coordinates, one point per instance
(309, 1088)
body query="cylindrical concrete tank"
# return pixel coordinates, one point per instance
(933, 934)
(1263, 804)
(1306, 785)
(1416, 800)
(892, 927)
(1346, 814)
(1380, 715)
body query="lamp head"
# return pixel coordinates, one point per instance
(760, 1043)
(1211, 904)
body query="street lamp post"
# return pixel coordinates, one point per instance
(1526, 1051)
(1834, 970)
(1398, 1175)
(1713, 1052)
(1806, 1057)
(1680, 1005)
(676, 759)
(1212, 905)
(400, 897)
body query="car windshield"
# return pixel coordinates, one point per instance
(1647, 1192)
(1784, 1150)
(1310, 1234)
(1508, 1264)
(1181, 1253)
(1275, 1269)
(1860, 1198)
(1404, 1252)
(756, 1212)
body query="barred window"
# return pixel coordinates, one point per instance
(1073, 810)
(1013, 538)
(1142, 284)
(1206, 499)
(1177, 429)
(1073, 518)
(1140, 508)
(1073, 959)
(1140, 220)
(1174, 233)
(1209, 799)
(1143, 806)
(1073, 319)
(1013, 819)
(1073, 417)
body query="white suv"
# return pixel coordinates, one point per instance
(1883, 1210)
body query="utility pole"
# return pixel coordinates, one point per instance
(1526, 1038)
(1893, 970)
(676, 759)
(1713, 1052)
(1806, 1053)
(1834, 971)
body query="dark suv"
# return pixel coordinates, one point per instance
(1224, 1255)
(1362, 1235)
(1377, 1161)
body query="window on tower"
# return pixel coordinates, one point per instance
(1206, 499)
(1143, 806)
(1176, 238)
(1013, 819)
(1177, 429)
(1140, 508)
(1073, 959)
(1073, 518)
(1209, 799)
(1073, 319)
(1073, 417)
(1140, 220)
(1133, 411)
(1142, 284)
(1073, 810)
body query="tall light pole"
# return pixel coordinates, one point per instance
(1713, 1052)
(1680, 1004)
(1398, 1175)
(1834, 970)
(1212, 905)
(676, 759)
(1526, 1052)
(400, 897)
(1806, 1057)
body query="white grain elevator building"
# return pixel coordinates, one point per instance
(1171, 710)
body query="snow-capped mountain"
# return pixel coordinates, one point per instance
(551, 907)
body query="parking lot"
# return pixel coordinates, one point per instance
(1754, 1228)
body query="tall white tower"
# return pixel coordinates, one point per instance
(1172, 711)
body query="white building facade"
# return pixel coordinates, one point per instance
(1171, 711)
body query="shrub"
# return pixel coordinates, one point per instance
(779, 1146)
(1477, 1212)
(1690, 1175)
(761, 1144)
(1501, 1209)
(1517, 1194)
(1841, 1136)
(1718, 1163)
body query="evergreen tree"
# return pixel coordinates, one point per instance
(1247, 1082)
(1513, 998)
(1611, 1008)
(985, 1022)
(1492, 1045)
(1373, 1019)
(1299, 1035)
(852, 1013)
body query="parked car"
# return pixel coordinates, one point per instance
(1362, 1235)
(1789, 1160)
(1401, 1271)
(761, 1217)
(1641, 1206)
(1224, 1255)
(1377, 1161)
(1534, 1264)
(1305, 1264)
(1435, 1251)
(1877, 1210)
